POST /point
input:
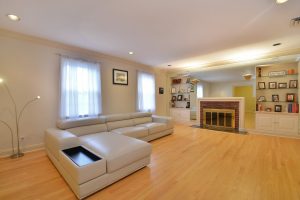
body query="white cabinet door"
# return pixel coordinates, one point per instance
(265, 122)
(180, 115)
(286, 125)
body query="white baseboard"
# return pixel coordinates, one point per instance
(8, 152)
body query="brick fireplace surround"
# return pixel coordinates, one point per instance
(235, 103)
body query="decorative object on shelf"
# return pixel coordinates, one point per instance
(173, 104)
(259, 72)
(260, 107)
(161, 90)
(188, 105)
(290, 97)
(293, 84)
(282, 85)
(173, 98)
(247, 77)
(278, 108)
(291, 71)
(176, 81)
(261, 98)
(277, 73)
(268, 109)
(189, 90)
(179, 97)
(192, 88)
(17, 116)
(272, 85)
(261, 85)
(275, 98)
(173, 90)
(120, 77)
(188, 80)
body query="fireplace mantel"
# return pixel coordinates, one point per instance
(240, 100)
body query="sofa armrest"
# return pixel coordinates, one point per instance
(162, 119)
(56, 140)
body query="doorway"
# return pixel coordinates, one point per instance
(250, 101)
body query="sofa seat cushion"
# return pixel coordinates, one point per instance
(154, 127)
(134, 131)
(118, 150)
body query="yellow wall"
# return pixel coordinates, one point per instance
(250, 101)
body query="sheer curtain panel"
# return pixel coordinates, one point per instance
(145, 92)
(80, 89)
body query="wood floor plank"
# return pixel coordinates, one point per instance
(190, 164)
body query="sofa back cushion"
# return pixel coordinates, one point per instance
(90, 129)
(140, 114)
(142, 120)
(72, 123)
(119, 124)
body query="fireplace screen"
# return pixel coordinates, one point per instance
(219, 118)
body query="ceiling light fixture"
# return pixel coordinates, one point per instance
(276, 44)
(281, 1)
(13, 17)
(169, 65)
(130, 52)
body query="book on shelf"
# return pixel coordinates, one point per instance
(293, 108)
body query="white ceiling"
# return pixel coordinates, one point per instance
(164, 32)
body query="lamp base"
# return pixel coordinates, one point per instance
(17, 155)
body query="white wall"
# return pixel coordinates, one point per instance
(30, 66)
(225, 89)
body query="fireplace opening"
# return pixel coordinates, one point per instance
(219, 118)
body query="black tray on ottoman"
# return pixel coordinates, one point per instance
(81, 156)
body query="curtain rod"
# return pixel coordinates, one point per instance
(77, 58)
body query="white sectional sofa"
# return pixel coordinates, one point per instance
(93, 153)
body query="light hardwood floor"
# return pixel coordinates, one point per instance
(190, 164)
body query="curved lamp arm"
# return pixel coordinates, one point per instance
(11, 133)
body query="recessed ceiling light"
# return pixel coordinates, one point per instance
(13, 17)
(276, 44)
(169, 65)
(281, 1)
(130, 52)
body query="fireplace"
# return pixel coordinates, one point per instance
(223, 113)
(219, 118)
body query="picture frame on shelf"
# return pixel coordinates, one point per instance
(173, 90)
(261, 98)
(261, 85)
(278, 108)
(275, 97)
(290, 97)
(173, 98)
(293, 84)
(282, 85)
(188, 105)
(272, 85)
(120, 77)
(277, 73)
(179, 97)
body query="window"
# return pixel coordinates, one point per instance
(199, 90)
(80, 89)
(146, 92)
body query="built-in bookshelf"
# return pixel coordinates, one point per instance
(181, 90)
(277, 88)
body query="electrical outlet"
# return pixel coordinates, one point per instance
(22, 138)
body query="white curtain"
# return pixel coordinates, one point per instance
(145, 92)
(80, 89)
(199, 90)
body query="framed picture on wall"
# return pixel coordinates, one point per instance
(120, 77)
